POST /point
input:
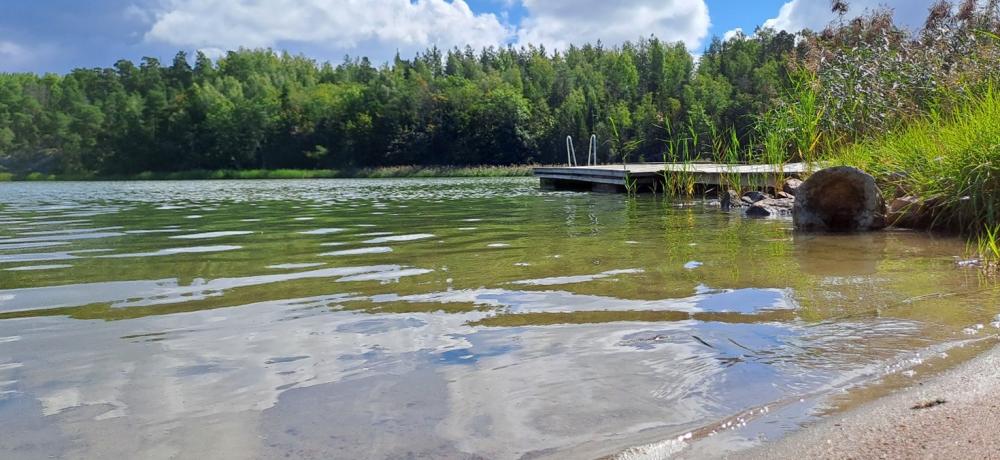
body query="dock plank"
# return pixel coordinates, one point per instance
(705, 173)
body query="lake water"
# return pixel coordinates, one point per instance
(451, 318)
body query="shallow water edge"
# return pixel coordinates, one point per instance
(449, 318)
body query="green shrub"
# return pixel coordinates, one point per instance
(37, 176)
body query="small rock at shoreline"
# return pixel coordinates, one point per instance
(771, 207)
(910, 212)
(790, 186)
(729, 200)
(754, 196)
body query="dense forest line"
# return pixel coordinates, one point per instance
(771, 96)
(264, 109)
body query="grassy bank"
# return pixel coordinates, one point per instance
(950, 162)
(249, 174)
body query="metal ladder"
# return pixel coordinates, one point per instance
(591, 152)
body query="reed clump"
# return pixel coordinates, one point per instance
(949, 161)
(988, 250)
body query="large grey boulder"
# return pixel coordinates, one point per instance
(841, 199)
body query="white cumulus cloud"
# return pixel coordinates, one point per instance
(379, 28)
(730, 34)
(346, 25)
(559, 23)
(816, 14)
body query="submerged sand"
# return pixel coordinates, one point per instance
(953, 415)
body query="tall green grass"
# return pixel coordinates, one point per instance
(987, 249)
(683, 151)
(792, 131)
(950, 161)
(623, 149)
(727, 151)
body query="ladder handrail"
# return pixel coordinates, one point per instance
(592, 151)
(571, 152)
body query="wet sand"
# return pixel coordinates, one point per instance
(964, 426)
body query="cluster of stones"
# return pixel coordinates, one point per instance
(762, 204)
(840, 199)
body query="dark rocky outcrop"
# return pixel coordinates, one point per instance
(840, 199)
(771, 207)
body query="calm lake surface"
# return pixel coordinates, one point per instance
(451, 318)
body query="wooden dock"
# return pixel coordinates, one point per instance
(651, 176)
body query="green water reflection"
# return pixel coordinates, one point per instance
(253, 297)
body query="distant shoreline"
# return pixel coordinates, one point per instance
(386, 172)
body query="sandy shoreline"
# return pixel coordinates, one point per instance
(965, 426)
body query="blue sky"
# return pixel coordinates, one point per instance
(58, 35)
